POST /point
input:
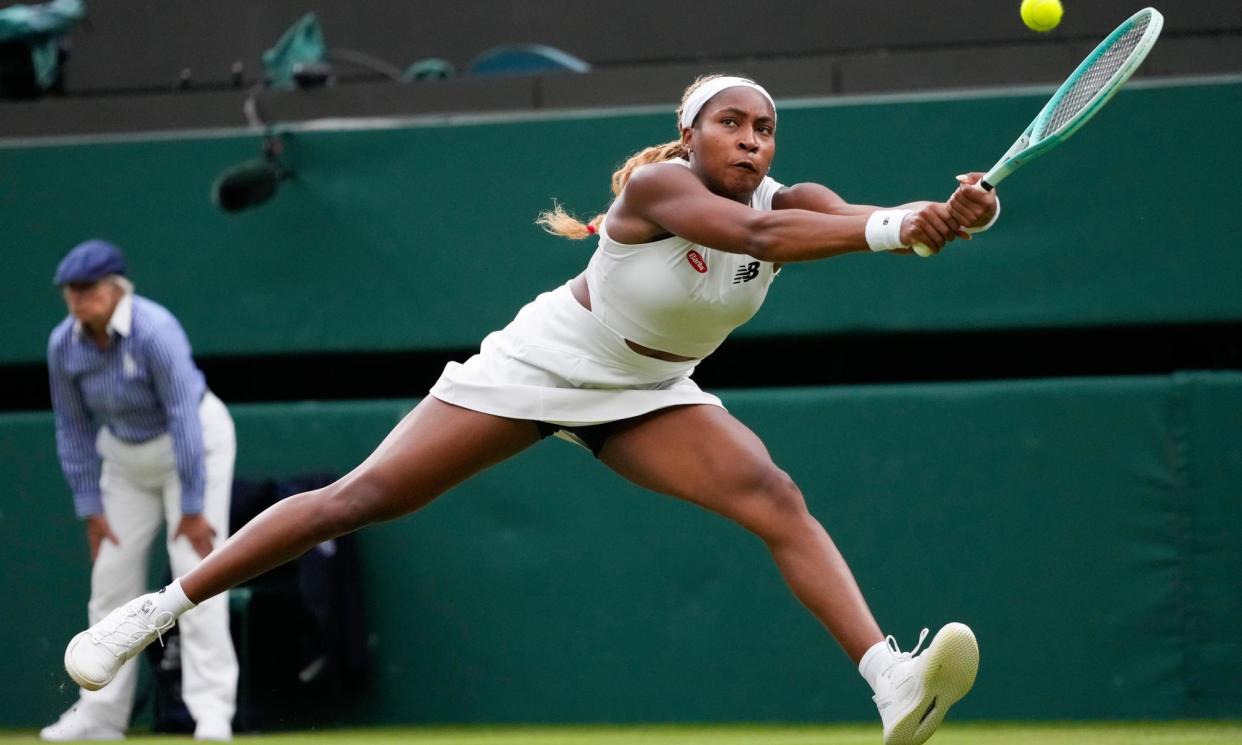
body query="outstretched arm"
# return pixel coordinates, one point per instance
(806, 224)
(927, 218)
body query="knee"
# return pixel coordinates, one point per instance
(774, 504)
(347, 505)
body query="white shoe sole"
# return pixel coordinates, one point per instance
(47, 736)
(952, 663)
(78, 677)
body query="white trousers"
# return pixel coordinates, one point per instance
(141, 493)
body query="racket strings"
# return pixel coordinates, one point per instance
(1097, 77)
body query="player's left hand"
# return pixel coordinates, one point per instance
(198, 531)
(971, 204)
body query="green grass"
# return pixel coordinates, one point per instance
(1102, 733)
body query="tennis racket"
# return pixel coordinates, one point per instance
(1096, 80)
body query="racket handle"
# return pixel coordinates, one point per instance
(923, 250)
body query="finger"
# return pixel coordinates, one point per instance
(941, 210)
(967, 217)
(202, 547)
(936, 235)
(971, 197)
(960, 213)
(941, 225)
(94, 541)
(929, 238)
(969, 178)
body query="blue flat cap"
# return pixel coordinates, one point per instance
(89, 262)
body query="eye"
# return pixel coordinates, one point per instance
(765, 128)
(729, 121)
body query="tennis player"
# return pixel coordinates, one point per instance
(686, 253)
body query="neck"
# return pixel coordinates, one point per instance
(97, 332)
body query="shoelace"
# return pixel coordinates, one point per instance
(143, 625)
(892, 646)
(883, 701)
(899, 655)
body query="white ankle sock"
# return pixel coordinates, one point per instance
(876, 660)
(173, 599)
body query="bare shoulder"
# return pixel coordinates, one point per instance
(657, 179)
(634, 218)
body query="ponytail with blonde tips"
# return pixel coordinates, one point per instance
(559, 222)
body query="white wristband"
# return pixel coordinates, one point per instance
(884, 229)
(989, 224)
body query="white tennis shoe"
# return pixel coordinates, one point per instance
(94, 656)
(74, 726)
(214, 730)
(915, 692)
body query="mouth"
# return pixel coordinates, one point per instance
(745, 165)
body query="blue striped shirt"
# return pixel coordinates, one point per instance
(142, 385)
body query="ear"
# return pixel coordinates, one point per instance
(687, 139)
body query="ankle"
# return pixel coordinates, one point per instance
(173, 599)
(877, 659)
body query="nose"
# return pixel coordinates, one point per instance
(747, 140)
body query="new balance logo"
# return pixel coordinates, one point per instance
(746, 273)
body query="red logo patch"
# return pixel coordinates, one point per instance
(697, 261)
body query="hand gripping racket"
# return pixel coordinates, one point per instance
(1096, 80)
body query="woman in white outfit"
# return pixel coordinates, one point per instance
(143, 444)
(686, 253)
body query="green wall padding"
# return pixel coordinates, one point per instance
(1206, 521)
(1086, 528)
(422, 237)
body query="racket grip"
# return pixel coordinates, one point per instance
(921, 250)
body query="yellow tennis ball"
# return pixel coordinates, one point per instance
(1041, 15)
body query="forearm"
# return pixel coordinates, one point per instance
(790, 235)
(75, 443)
(858, 227)
(190, 457)
(179, 387)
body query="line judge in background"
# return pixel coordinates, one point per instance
(141, 441)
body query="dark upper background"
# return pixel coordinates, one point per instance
(128, 57)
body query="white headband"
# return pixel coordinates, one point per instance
(704, 93)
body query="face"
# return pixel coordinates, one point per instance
(732, 142)
(91, 303)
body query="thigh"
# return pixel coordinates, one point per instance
(435, 447)
(133, 508)
(219, 454)
(135, 515)
(698, 453)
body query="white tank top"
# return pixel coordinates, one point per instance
(674, 295)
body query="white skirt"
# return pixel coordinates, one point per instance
(557, 363)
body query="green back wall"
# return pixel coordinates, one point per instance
(421, 236)
(1086, 528)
